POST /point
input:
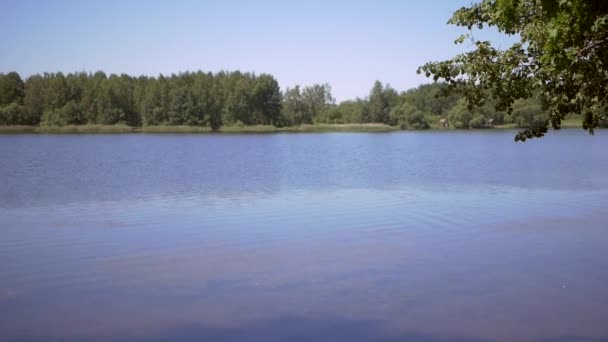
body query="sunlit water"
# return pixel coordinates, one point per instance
(304, 237)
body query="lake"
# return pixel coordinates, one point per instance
(421, 236)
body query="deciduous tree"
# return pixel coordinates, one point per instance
(561, 55)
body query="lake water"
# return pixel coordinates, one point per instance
(304, 237)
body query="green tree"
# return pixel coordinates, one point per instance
(209, 94)
(237, 106)
(316, 99)
(115, 101)
(460, 115)
(408, 117)
(183, 109)
(151, 107)
(11, 89)
(561, 54)
(528, 113)
(91, 96)
(266, 98)
(294, 108)
(428, 98)
(478, 121)
(12, 114)
(356, 111)
(56, 92)
(381, 100)
(33, 101)
(70, 114)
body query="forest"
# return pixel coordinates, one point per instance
(237, 99)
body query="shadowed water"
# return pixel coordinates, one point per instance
(304, 237)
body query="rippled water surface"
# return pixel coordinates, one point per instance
(304, 237)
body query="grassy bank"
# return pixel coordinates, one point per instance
(566, 123)
(84, 129)
(173, 129)
(70, 129)
(271, 129)
(202, 129)
(116, 129)
(17, 129)
(370, 127)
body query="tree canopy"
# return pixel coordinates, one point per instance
(234, 99)
(560, 57)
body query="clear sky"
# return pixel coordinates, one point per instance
(348, 44)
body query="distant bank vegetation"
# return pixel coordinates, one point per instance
(233, 101)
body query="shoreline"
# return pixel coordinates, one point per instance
(124, 129)
(307, 128)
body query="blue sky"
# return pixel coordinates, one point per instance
(348, 44)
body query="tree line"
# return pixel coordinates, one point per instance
(233, 99)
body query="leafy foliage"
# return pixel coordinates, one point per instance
(381, 100)
(407, 116)
(231, 99)
(196, 99)
(561, 57)
(11, 89)
(11, 114)
(306, 106)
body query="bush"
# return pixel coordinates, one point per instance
(407, 116)
(417, 120)
(526, 114)
(112, 116)
(459, 117)
(478, 122)
(12, 114)
(53, 118)
(70, 114)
